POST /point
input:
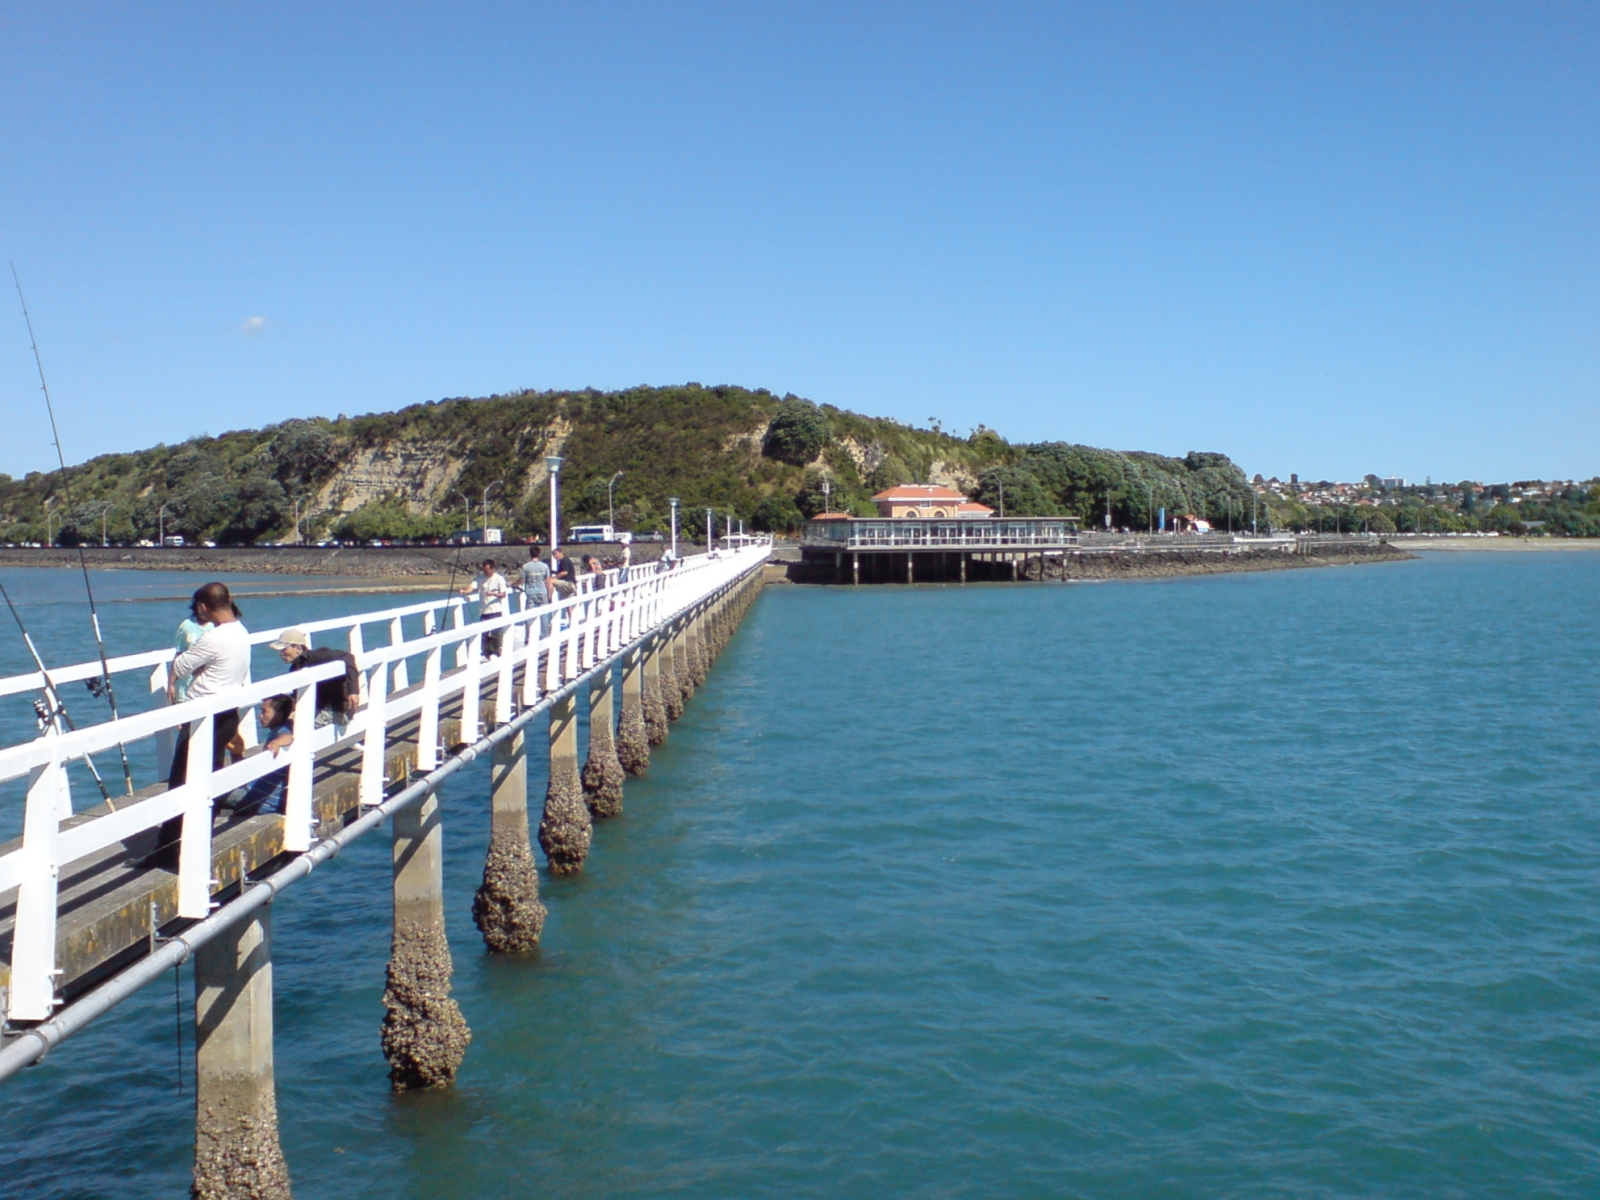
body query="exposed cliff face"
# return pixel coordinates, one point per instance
(417, 472)
(423, 472)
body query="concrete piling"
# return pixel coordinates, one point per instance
(633, 740)
(424, 1036)
(602, 771)
(680, 660)
(507, 909)
(699, 652)
(654, 693)
(671, 681)
(567, 829)
(236, 1149)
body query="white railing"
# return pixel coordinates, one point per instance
(553, 644)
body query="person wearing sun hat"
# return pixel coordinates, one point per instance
(337, 698)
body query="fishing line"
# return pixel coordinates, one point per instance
(60, 705)
(104, 684)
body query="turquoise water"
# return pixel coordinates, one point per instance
(1272, 885)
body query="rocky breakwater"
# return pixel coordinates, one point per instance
(1165, 563)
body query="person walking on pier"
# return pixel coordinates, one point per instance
(336, 698)
(218, 662)
(492, 591)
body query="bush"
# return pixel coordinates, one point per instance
(777, 514)
(797, 433)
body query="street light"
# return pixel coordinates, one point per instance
(486, 492)
(49, 515)
(552, 464)
(710, 533)
(466, 507)
(673, 500)
(611, 509)
(298, 536)
(161, 526)
(105, 512)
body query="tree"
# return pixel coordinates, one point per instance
(1023, 495)
(777, 514)
(797, 433)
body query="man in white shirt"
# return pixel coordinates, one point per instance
(217, 663)
(492, 591)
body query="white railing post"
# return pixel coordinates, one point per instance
(508, 664)
(33, 949)
(472, 690)
(397, 635)
(375, 744)
(530, 663)
(428, 717)
(194, 849)
(302, 765)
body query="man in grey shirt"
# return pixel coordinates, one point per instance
(536, 586)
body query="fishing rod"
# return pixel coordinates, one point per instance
(104, 682)
(60, 709)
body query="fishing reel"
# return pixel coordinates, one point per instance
(44, 714)
(96, 686)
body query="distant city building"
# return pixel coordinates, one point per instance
(1394, 483)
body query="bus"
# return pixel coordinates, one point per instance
(592, 533)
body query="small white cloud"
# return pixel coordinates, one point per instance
(253, 325)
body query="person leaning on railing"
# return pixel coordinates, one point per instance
(336, 698)
(219, 661)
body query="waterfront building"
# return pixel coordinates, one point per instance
(925, 531)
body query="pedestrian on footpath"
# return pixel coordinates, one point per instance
(492, 590)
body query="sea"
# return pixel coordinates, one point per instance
(1259, 885)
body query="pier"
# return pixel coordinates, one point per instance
(83, 924)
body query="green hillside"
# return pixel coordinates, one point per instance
(414, 472)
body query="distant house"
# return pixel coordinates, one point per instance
(927, 500)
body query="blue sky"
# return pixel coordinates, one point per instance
(1329, 239)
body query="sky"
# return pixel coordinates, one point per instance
(1330, 239)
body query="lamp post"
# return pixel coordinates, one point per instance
(552, 464)
(466, 507)
(673, 500)
(611, 507)
(486, 492)
(161, 527)
(711, 535)
(104, 513)
(299, 537)
(49, 515)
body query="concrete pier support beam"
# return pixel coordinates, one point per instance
(855, 568)
(963, 557)
(425, 1036)
(567, 829)
(602, 770)
(911, 570)
(633, 740)
(655, 701)
(507, 909)
(237, 1155)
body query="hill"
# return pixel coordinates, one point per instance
(421, 471)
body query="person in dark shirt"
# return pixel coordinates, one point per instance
(336, 698)
(564, 571)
